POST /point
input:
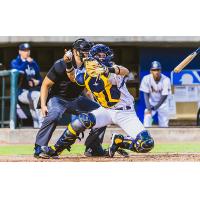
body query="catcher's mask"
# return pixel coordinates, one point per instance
(101, 48)
(82, 46)
(143, 142)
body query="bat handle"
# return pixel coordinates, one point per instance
(198, 50)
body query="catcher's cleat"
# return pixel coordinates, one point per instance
(122, 152)
(90, 153)
(106, 154)
(117, 140)
(47, 153)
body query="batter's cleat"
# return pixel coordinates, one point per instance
(117, 140)
(47, 153)
(122, 152)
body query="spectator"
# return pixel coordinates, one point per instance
(156, 88)
(30, 81)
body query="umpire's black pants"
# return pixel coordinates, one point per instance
(56, 108)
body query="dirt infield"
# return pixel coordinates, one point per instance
(159, 157)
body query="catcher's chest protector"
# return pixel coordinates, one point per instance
(105, 93)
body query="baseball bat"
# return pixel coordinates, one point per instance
(186, 61)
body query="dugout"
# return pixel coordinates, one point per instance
(46, 53)
(136, 53)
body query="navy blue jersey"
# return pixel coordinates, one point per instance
(63, 87)
(28, 70)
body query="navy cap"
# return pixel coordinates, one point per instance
(24, 46)
(155, 65)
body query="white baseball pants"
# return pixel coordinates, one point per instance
(125, 119)
(163, 116)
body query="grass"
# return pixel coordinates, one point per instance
(78, 149)
(177, 148)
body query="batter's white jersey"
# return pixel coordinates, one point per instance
(155, 89)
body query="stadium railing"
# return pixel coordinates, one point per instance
(12, 97)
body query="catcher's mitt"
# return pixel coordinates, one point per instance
(94, 68)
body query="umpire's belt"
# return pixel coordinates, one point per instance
(124, 108)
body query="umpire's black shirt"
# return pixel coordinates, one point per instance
(62, 87)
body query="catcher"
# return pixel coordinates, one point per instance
(106, 81)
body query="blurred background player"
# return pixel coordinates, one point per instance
(156, 88)
(30, 81)
(117, 104)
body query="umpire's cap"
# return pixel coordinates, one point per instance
(82, 44)
(24, 46)
(155, 65)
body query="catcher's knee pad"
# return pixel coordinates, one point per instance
(143, 142)
(83, 121)
(77, 126)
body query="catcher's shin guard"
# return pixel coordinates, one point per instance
(143, 143)
(117, 141)
(127, 143)
(77, 126)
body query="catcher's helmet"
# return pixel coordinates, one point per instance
(143, 142)
(155, 65)
(101, 48)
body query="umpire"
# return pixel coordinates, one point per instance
(59, 95)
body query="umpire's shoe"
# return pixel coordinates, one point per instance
(45, 152)
(117, 140)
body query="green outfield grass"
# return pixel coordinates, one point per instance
(79, 149)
